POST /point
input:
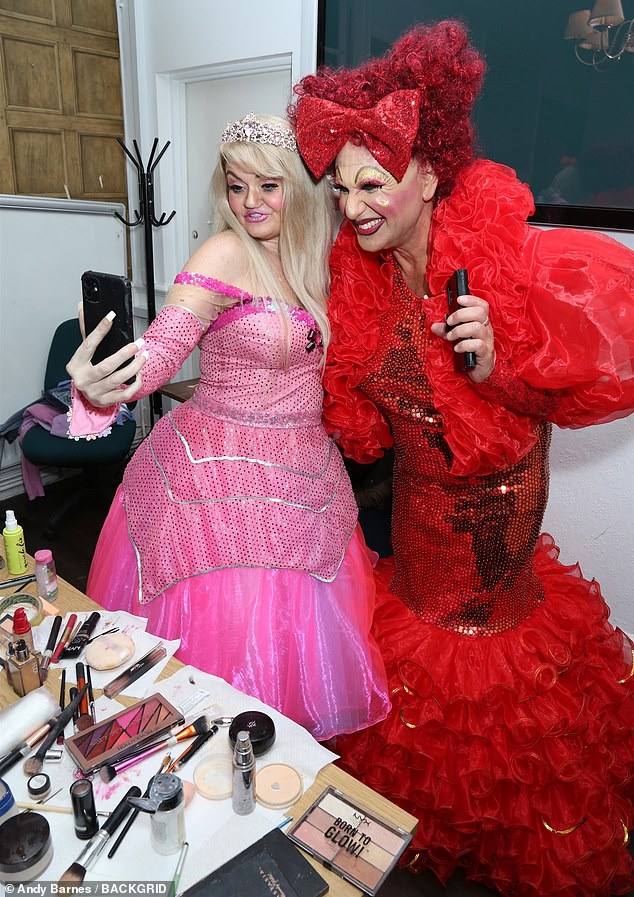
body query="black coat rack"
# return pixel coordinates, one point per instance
(146, 216)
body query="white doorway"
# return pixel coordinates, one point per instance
(210, 104)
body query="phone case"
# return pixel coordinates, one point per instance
(458, 285)
(102, 293)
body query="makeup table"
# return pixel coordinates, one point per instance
(179, 390)
(72, 600)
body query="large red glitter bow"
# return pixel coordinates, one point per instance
(387, 130)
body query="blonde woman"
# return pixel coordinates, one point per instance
(235, 528)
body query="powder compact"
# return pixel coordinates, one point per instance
(109, 651)
(277, 786)
(26, 848)
(260, 727)
(349, 840)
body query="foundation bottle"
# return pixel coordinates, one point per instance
(23, 669)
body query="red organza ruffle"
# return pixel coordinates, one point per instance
(561, 305)
(515, 751)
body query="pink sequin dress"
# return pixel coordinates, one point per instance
(235, 529)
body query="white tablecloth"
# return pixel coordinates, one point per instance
(214, 832)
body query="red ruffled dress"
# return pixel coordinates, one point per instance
(511, 735)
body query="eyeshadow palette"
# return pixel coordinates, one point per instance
(358, 846)
(117, 736)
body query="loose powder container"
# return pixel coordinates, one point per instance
(39, 786)
(277, 786)
(213, 777)
(26, 848)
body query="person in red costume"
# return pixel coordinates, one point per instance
(511, 731)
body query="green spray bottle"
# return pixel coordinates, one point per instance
(14, 547)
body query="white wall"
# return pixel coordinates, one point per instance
(591, 497)
(45, 245)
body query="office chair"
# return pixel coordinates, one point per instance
(93, 457)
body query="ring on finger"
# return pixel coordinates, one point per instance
(485, 323)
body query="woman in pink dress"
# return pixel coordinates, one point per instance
(235, 528)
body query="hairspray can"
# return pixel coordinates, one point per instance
(14, 547)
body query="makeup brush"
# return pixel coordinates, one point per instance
(72, 694)
(62, 701)
(64, 639)
(173, 891)
(49, 808)
(50, 647)
(27, 745)
(198, 727)
(76, 872)
(34, 764)
(191, 749)
(91, 697)
(18, 581)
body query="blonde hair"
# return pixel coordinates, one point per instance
(306, 224)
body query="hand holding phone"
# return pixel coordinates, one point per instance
(458, 285)
(102, 293)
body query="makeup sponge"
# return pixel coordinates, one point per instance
(109, 651)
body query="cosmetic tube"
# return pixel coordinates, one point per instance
(84, 810)
(134, 672)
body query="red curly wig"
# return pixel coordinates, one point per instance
(438, 61)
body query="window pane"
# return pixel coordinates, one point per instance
(565, 127)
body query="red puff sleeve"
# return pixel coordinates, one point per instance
(580, 304)
(359, 288)
(561, 304)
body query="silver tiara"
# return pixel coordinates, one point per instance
(251, 130)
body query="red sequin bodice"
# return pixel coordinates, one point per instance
(463, 546)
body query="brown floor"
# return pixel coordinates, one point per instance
(72, 549)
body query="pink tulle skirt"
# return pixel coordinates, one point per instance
(298, 644)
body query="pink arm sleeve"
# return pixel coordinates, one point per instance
(169, 340)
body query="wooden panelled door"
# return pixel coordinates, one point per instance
(61, 103)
